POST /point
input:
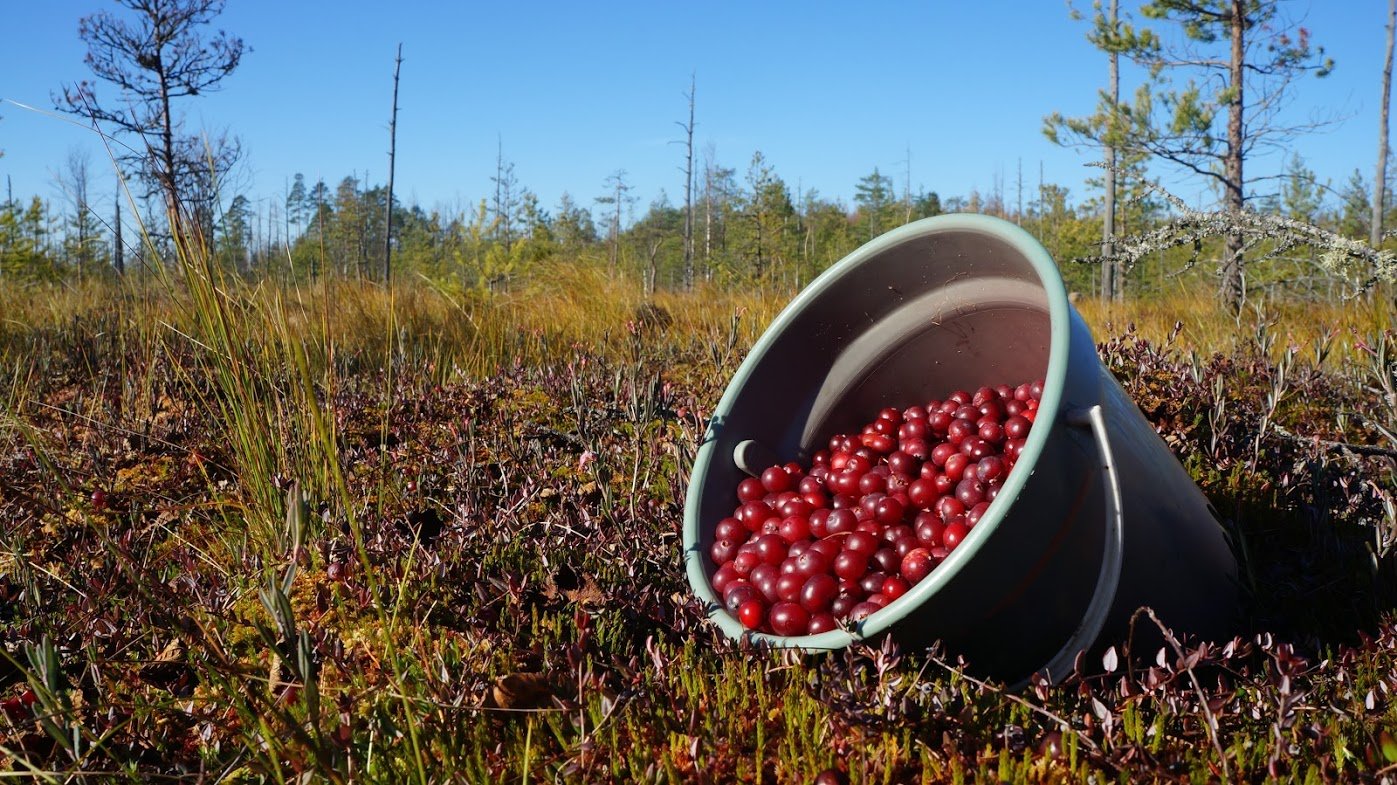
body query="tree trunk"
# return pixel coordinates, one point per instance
(689, 192)
(1111, 288)
(167, 149)
(1232, 281)
(118, 252)
(1380, 182)
(707, 212)
(392, 153)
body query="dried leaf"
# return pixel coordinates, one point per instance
(589, 594)
(168, 667)
(1110, 660)
(521, 691)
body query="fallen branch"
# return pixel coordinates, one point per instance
(1368, 450)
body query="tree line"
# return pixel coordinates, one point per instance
(1210, 77)
(748, 230)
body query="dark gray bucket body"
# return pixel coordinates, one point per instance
(1098, 517)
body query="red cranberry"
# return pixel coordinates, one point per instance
(724, 576)
(752, 613)
(955, 466)
(990, 468)
(916, 565)
(826, 549)
(960, 430)
(917, 448)
(887, 558)
(990, 410)
(894, 587)
(929, 529)
(794, 529)
(745, 561)
(723, 551)
(872, 482)
(842, 604)
(849, 565)
(788, 618)
(949, 507)
(775, 480)
(889, 511)
(731, 529)
(954, 534)
(1016, 427)
(991, 432)
(863, 610)
(922, 493)
(841, 521)
(818, 592)
(974, 514)
(737, 593)
(771, 548)
(970, 492)
(788, 586)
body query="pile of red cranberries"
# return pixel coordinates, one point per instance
(875, 513)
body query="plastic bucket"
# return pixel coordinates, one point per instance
(1097, 518)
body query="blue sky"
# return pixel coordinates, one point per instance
(576, 91)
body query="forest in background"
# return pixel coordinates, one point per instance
(733, 223)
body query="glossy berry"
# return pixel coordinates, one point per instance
(789, 618)
(954, 534)
(752, 613)
(750, 490)
(818, 592)
(775, 480)
(916, 565)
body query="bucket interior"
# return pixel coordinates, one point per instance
(904, 320)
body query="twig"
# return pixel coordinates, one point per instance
(984, 685)
(1356, 449)
(1197, 689)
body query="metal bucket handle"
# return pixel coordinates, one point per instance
(1108, 579)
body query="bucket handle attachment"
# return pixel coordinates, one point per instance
(1108, 579)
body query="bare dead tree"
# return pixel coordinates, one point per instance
(689, 188)
(392, 154)
(74, 181)
(1380, 183)
(155, 60)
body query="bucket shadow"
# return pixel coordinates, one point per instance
(1311, 522)
(1314, 571)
